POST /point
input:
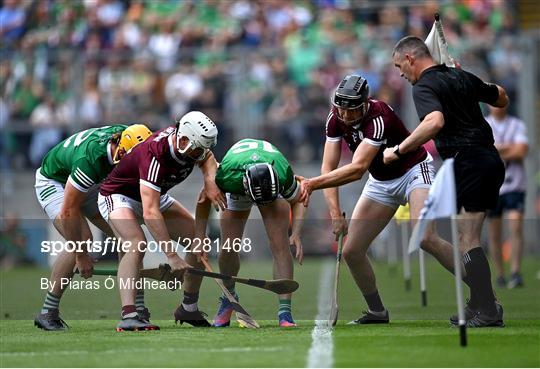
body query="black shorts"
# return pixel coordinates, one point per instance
(509, 201)
(479, 173)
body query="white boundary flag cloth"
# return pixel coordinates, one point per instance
(438, 47)
(441, 203)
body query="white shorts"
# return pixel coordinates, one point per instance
(241, 202)
(107, 204)
(50, 194)
(395, 192)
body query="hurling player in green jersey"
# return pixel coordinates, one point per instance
(67, 189)
(255, 172)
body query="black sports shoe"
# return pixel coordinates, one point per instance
(470, 312)
(144, 314)
(516, 280)
(501, 282)
(481, 319)
(50, 321)
(370, 318)
(135, 324)
(195, 318)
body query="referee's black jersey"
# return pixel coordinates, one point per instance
(456, 93)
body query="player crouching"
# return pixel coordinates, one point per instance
(136, 192)
(255, 172)
(67, 185)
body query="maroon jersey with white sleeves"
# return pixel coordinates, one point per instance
(380, 127)
(153, 163)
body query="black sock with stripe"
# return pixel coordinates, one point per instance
(479, 276)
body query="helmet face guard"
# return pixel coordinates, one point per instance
(351, 99)
(261, 183)
(192, 150)
(199, 131)
(353, 114)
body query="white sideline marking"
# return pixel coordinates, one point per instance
(321, 352)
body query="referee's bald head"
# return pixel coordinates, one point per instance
(413, 46)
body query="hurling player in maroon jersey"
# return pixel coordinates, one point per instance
(368, 126)
(136, 190)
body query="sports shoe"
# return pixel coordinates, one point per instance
(286, 320)
(144, 314)
(135, 324)
(470, 312)
(195, 318)
(370, 318)
(50, 321)
(224, 313)
(516, 280)
(481, 319)
(501, 282)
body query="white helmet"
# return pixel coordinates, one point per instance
(200, 131)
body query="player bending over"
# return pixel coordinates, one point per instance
(136, 191)
(67, 185)
(255, 172)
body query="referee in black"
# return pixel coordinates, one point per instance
(447, 103)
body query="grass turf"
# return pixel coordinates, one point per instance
(417, 336)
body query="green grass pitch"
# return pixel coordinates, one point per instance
(417, 336)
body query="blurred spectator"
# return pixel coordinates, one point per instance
(511, 141)
(181, 88)
(12, 17)
(90, 110)
(12, 243)
(47, 131)
(26, 97)
(142, 81)
(164, 45)
(285, 125)
(113, 83)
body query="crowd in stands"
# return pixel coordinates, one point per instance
(66, 65)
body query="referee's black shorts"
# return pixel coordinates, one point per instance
(479, 173)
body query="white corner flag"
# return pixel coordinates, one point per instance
(437, 45)
(441, 203)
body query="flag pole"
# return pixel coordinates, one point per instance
(406, 256)
(459, 291)
(423, 290)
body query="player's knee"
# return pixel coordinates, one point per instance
(351, 256)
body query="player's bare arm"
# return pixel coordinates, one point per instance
(71, 220)
(156, 225)
(363, 156)
(330, 162)
(426, 130)
(298, 214)
(202, 213)
(212, 192)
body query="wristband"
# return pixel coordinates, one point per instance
(398, 154)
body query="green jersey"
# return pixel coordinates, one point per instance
(84, 158)
(248, 152)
